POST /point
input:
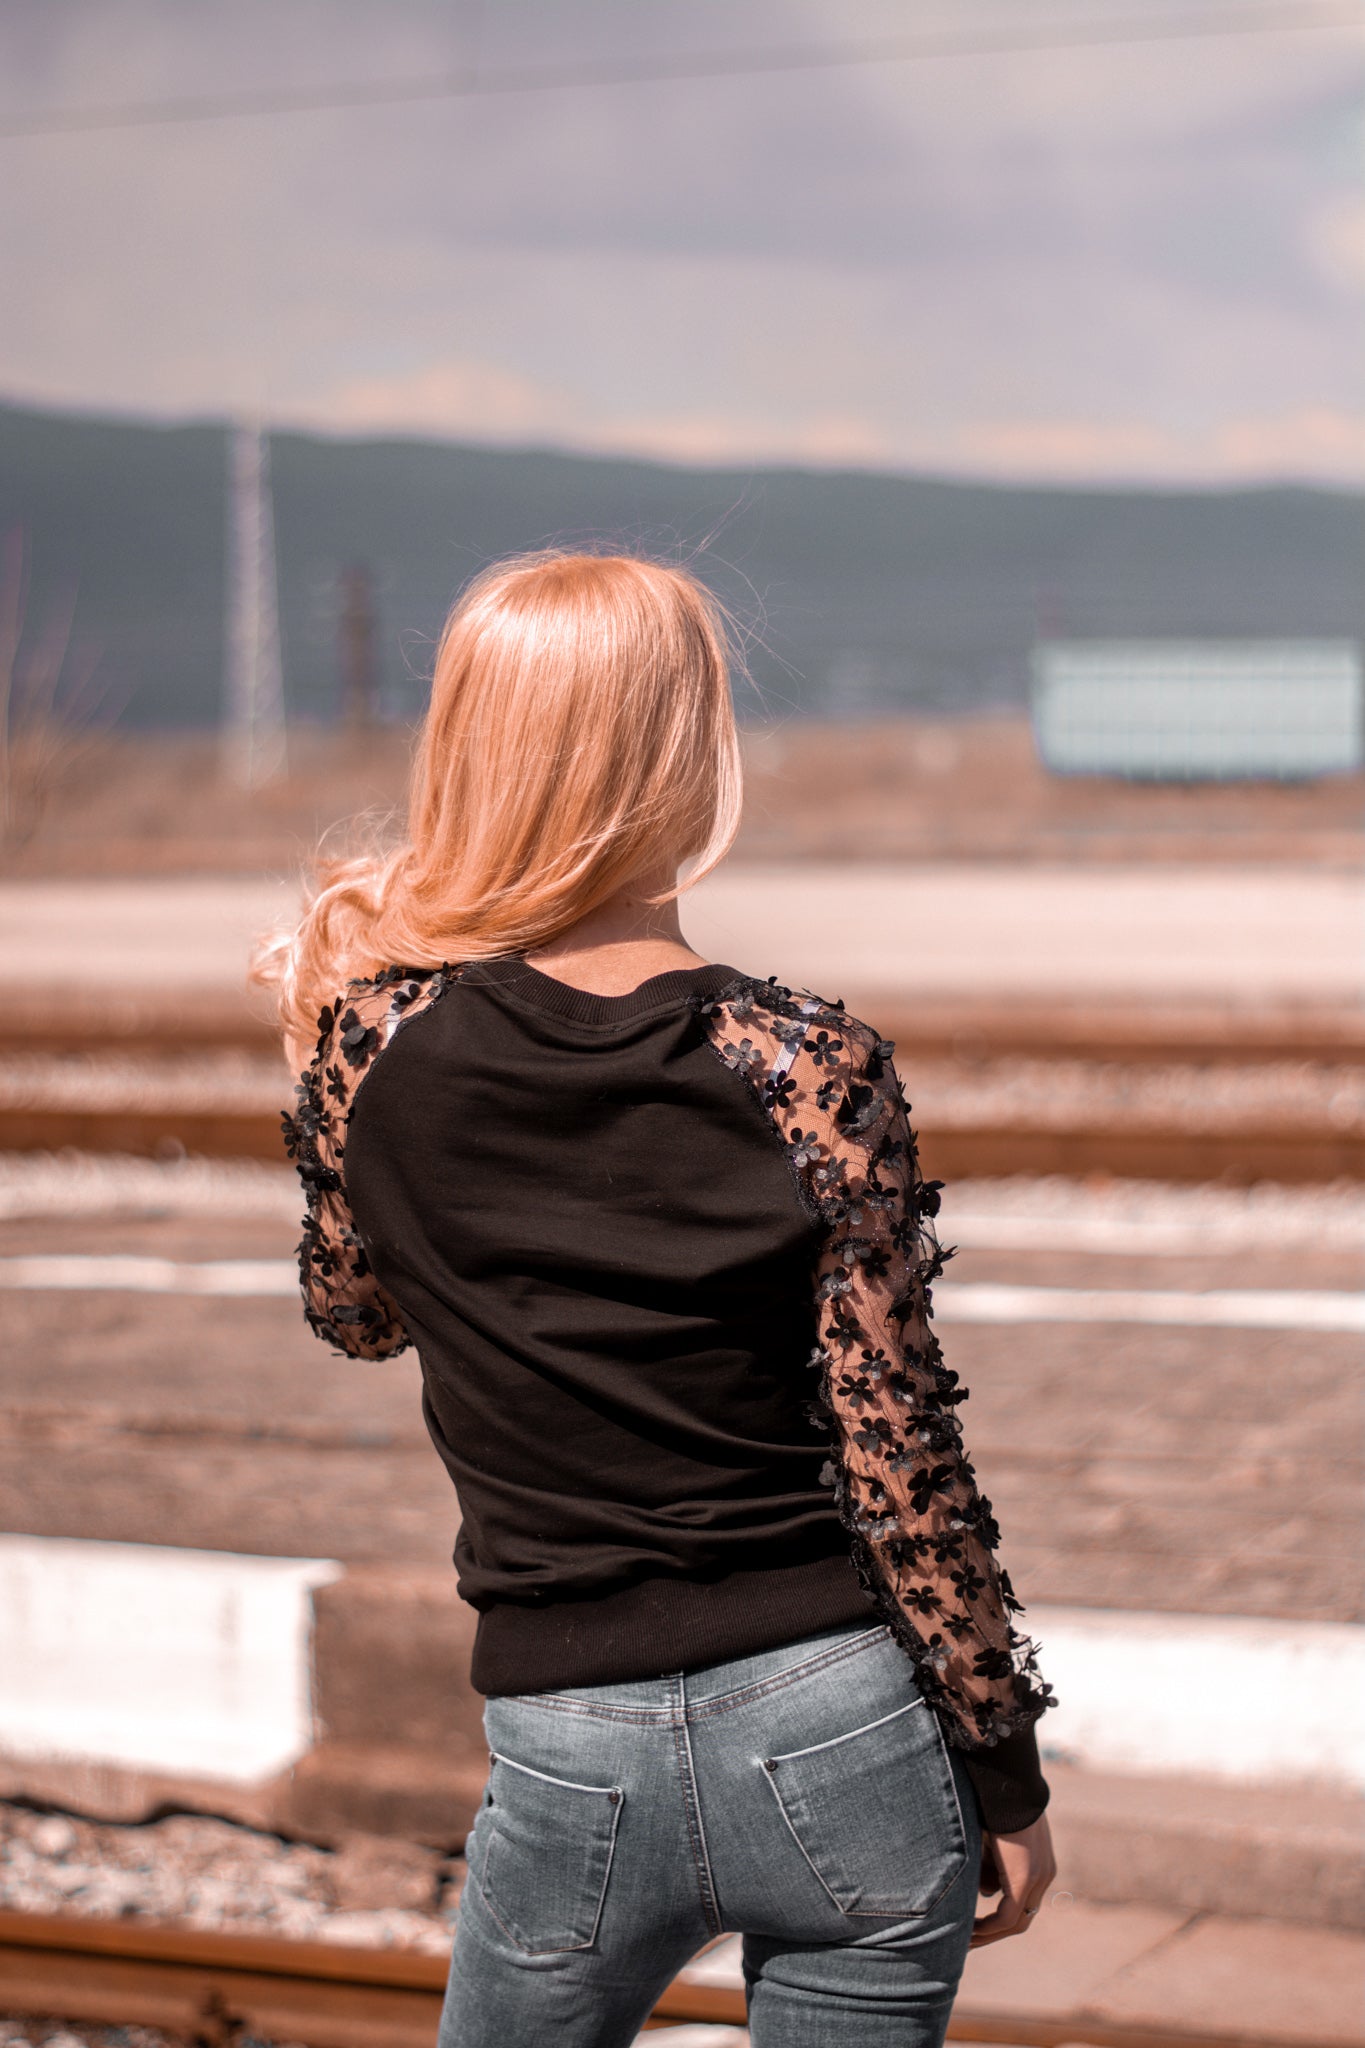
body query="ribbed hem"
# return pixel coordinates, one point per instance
(660, 993)
(660, 1626)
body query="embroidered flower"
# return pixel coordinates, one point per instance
(879, 1057)
(921, 1599)
(357, 1040)
(858, 1110)
(969, 1582)
(829, 1173)
(844, 1328)
(744, 1058)
(823, 1048)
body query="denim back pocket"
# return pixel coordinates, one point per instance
(547, 1859)
(875, 1813)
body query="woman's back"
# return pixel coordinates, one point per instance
(620, 1230)
(596, 1244)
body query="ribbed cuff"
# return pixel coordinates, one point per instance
(1010, 1787)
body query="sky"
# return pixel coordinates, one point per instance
(1138, 254)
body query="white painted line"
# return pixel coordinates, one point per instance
(1146, 1237)
(129, 1274)
(1207, 1695)
(190, 1661)
(1249, 1308)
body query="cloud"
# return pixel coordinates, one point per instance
(1316, 442)
(1134, 261)
(481, 402)
(1336, 239)
(457, 400)
(821, 440)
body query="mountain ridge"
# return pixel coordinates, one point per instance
(859, 592)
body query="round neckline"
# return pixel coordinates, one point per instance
(658, 992)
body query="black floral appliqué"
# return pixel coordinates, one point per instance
(342, 1300)
(922, 1535)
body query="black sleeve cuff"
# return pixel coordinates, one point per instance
(1010, 1787)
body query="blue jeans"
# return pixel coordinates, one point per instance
(803, 1797)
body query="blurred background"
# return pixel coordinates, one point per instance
(1001, 369)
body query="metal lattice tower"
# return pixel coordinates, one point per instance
(253, 728)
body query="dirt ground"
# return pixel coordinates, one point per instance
(908, 788)
(1191, 1470)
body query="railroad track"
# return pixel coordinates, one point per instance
(212, 1988)
(150, 1080)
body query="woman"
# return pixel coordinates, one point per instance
(656, 1230)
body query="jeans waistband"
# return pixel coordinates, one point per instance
(715, 1688)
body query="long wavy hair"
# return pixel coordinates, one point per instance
(580, 733)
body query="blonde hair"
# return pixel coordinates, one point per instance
(580, 733)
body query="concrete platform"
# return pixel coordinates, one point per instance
(1089, 1974)
(1294, 1854)
(395, 1747)
(1093, 1975)
(1234, 937)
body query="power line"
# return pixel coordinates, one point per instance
(470, 83)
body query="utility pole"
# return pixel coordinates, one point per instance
(253, 728)
(359, 692)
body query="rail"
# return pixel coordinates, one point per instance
(212, 1988)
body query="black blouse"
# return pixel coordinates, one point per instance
(667, 1260)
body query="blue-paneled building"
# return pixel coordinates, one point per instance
(1200, 710)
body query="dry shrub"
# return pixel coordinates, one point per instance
(48, 700)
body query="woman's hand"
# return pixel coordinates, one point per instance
(1020, 1867)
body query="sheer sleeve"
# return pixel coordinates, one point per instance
(342, 1300)
(923, 1535)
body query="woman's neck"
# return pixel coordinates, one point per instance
(625, 941)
